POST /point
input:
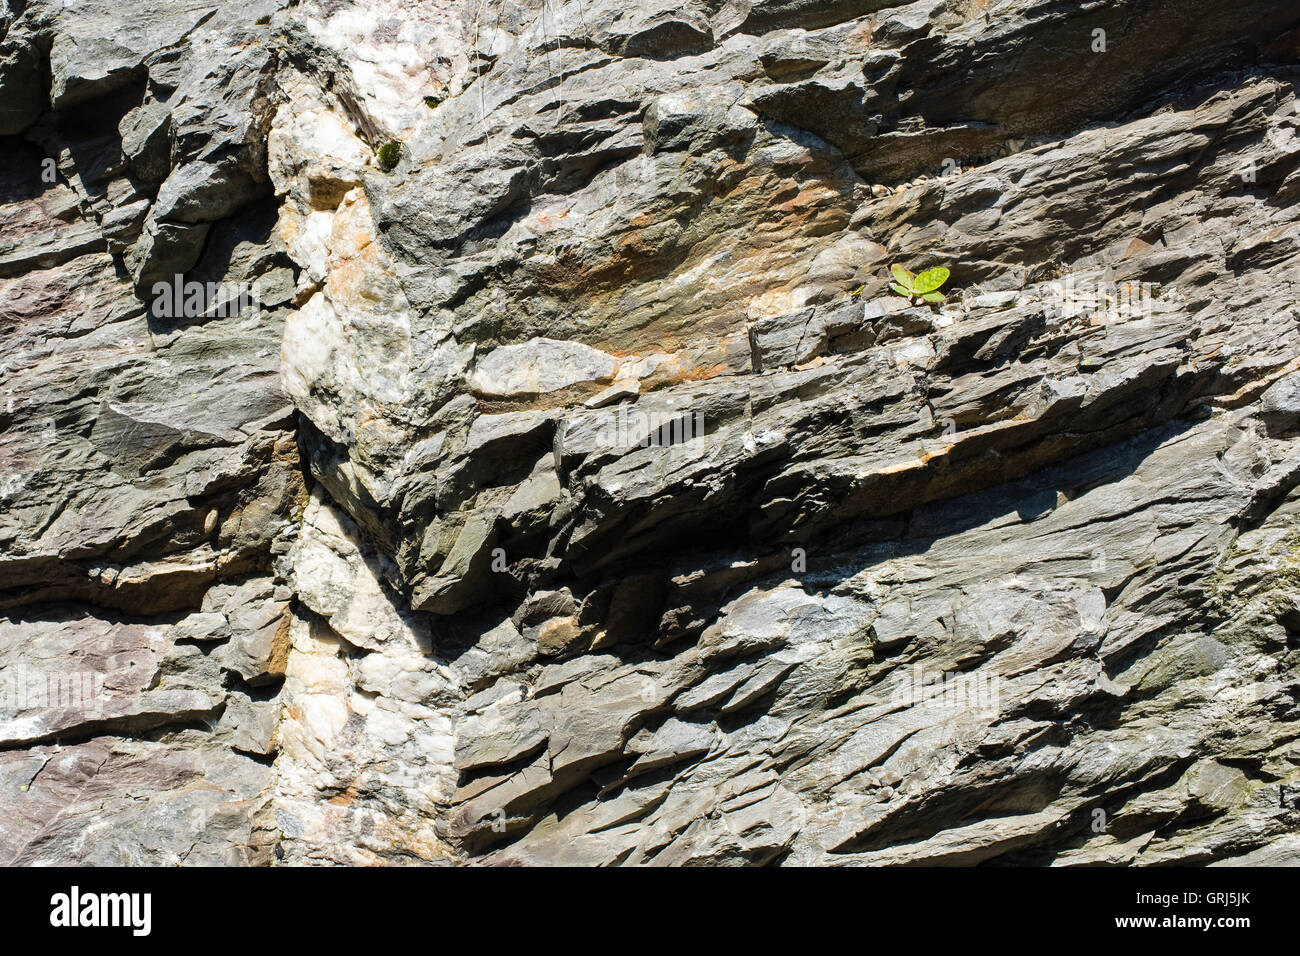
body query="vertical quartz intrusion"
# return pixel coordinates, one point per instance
(363, 769)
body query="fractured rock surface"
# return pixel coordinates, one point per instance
(573, 491)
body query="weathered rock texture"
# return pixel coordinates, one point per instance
(573, 491)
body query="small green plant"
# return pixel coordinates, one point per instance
(389, 154)
(432, 101)
(920, 288)
(263, 21)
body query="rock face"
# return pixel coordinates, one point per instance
(572, 490)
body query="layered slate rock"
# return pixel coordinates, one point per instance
(148, 460)
(578, 493)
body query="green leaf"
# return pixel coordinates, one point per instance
(900, 290)
(931, 279)
(905, 278)
(934, 298)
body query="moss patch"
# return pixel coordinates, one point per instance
(388, 154)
